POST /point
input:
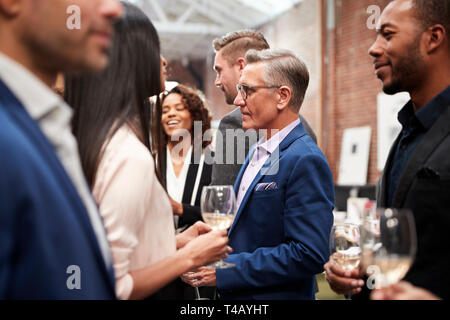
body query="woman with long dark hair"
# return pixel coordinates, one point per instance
(111, 123)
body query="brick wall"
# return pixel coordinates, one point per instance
(299, 30)
(353, 103)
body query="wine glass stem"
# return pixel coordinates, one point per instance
(197, 293)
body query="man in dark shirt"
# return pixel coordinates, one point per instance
(415, 126)
(412, 53)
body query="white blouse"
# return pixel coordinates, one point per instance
(175, 185)
(135, 208)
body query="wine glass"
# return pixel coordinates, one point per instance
(344, 246)
(218, 205)
(388, 244)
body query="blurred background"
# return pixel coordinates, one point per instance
(332, 36)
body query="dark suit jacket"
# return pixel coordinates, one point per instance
(280, 237)
(425, 189)
(191, 214)
(226, 174)
(44, 226)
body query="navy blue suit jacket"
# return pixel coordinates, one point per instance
(280, 237)
(44, 226)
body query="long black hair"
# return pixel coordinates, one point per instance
(120, 94)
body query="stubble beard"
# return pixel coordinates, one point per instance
(406, 73)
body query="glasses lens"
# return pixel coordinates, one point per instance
(243, 89)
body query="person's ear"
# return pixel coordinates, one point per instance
(434, 38)
(284, 95)
(242, 63)
(10, 8)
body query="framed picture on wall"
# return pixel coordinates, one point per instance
(355, 156)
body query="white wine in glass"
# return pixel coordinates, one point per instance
(388, 244)
(344, 245)
(218, 205)
(218, 221)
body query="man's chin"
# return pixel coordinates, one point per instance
(246, 126)
(229, 98)
(229, 101)
(392, 88)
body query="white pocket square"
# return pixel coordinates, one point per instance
(266, 186)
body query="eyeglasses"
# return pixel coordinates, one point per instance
(243, 89)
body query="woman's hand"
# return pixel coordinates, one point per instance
(177, 207)
(191, 233)
(207, 248)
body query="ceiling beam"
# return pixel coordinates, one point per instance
(187, 14)
(189, 28)
(240, 14)
(221, 17)
(159, 11)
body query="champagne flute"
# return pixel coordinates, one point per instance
(388, 244)
(218, 205)
(344, 246)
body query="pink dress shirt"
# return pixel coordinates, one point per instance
(261, 153)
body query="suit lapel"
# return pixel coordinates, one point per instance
(268, 166)
(427, 145)
(245, 199)
(190, 180)
(34, 133)
(237, 184)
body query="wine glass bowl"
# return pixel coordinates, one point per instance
(218, 206)
(344, 245)
(388, 244)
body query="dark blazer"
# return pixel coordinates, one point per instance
(191, 214)
(226, 174)
(280, 237)
(425, 189)
(44, 225)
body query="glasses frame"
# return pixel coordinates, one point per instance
(243, 89)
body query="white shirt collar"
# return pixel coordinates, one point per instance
(36, 97)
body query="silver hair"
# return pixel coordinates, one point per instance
(283, 68)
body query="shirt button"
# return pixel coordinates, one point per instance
(243, 188)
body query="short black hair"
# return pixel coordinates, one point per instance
(432, 12)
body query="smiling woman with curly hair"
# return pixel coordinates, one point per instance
(181, 163)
